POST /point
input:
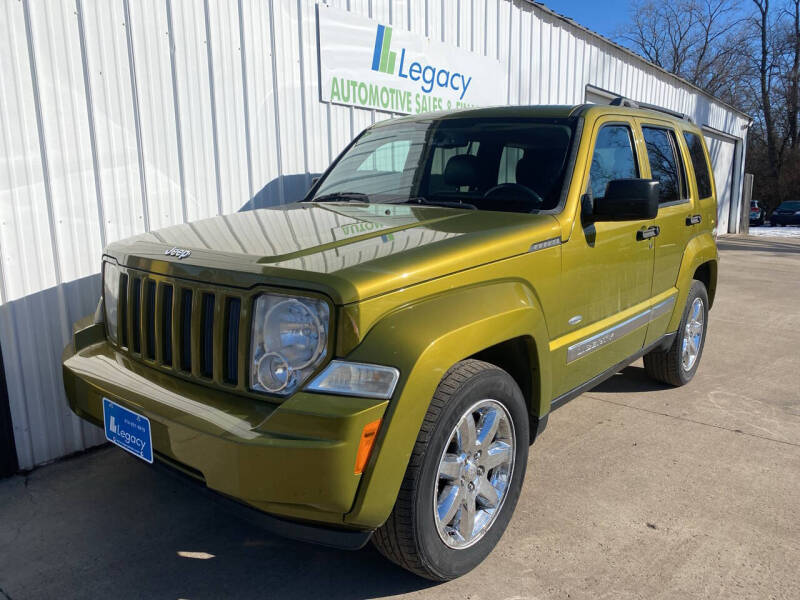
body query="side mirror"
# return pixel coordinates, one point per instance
(628, 200)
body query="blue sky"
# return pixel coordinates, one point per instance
(602, 16)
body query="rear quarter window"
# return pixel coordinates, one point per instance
(698, 157)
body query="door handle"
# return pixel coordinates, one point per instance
(646, 234)
(693, 219)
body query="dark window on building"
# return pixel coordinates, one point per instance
(662, 153)
(699, 163)
(613, 158)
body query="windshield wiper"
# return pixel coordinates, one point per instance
(342, 197)
(445, 203)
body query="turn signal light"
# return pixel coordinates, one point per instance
(368, 435)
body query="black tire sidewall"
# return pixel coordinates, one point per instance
(698, 290)
(447, 562)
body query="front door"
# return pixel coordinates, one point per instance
(607, 271)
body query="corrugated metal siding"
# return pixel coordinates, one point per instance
(118, 117)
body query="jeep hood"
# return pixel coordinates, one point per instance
(349, 251)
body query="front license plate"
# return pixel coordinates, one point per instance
(128, 430)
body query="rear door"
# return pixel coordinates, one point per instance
(676, 220)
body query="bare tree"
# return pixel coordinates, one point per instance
(746, 54)
(698, 40)
(793, 76)
(765, 74)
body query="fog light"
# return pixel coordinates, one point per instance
(273, 372)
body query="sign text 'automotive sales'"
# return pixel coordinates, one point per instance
(373, 65)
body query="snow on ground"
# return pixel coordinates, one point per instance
(782, 232)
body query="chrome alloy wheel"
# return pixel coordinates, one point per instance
(692, 335)
(475, 470)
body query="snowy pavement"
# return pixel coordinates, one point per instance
(781, 232)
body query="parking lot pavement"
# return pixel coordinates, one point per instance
(634, 491)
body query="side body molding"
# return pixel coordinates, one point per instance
(423, 340)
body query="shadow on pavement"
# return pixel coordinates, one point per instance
(107, 526)
(632, 379)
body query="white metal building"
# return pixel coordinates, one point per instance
(121, 116)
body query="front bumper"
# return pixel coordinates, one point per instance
(294, 460)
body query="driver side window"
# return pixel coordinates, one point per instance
(613, 158)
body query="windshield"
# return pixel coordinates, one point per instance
(487, 164)
(791, 205)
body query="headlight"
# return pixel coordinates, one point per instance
(111, 298)
(356, 379)
(290, 339)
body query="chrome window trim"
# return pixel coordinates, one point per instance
(615, 332)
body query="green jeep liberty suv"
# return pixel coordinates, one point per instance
(375, 360)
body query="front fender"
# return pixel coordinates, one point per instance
(423, 341)
(700, 249)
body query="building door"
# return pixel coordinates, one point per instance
(722, 152)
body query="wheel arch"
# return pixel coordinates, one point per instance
(519, 357)
(424, 340)
(700, 258)
(707, 273)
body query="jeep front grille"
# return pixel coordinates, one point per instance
(191, 329)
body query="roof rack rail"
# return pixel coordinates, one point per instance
(628, 103)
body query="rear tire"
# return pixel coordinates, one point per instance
(455, 465)
(677, 365)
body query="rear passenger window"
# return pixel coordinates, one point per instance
(613, 158)
(662, 151)
(698, 156)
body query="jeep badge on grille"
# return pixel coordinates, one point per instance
(180, 253)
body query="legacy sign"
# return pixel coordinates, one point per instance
(373, 65)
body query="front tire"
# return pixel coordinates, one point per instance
(464, 476)
(677, 365)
